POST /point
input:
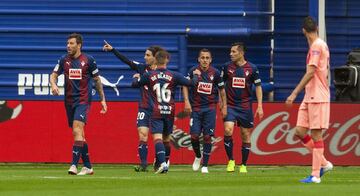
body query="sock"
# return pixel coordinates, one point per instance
(159, 150)
(308, 142)
(228, 142)
(143, 151)
(196, 145)
(76, 152)
(85, 156)
(206, 150)
(167, 151)
(318, 153)
(245, 150)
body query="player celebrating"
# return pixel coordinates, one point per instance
(202, 106)
(78, 68)
(144, 107)
(314, 111)
(239, 75)
(162, 83)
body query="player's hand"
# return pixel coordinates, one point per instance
(187, 108)
(137, 75)
(197, 72)
(259, 112)
(103, 107)
(224, 111)
(289, 101)
(55, 90)
(107, 47)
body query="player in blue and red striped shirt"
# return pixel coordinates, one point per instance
(79, 70)
(239, 76)
(144, 108)
(201, 102)
(162, 83)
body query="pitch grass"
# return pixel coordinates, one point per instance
(52, 179)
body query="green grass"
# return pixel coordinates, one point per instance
(52, 179)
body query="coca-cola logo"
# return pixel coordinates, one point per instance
(274, 135)
(180, 139)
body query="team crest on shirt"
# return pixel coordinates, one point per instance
(238, 82)
(204, 88)
(82, 63)
(75, 74)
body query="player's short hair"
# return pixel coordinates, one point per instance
(240, 46)
(204, 50)
(154, 49)
(78, 37)
(309, 24)
(161, 56)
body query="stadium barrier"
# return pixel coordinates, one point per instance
(36, 131)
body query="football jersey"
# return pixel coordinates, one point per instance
(238, 83)
(162, 85)
(78, 74)
(205, 93)
(317, 89)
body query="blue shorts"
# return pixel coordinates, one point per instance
(242, 117)
(162, 125)
(143, 118)
(203, 121)
(77, 112)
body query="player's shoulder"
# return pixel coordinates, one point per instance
(88, 56)
(252, 65)
(226, 64)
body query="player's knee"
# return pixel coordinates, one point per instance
(228, 132)
(207, 139)
(194, 137)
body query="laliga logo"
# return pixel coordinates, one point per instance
(106, 82)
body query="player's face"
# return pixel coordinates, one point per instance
(236, 54)
(149, 58)
(72, 47)
(205, 59)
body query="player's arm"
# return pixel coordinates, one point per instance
(223, 103)
(53, 80)
(187, 104)
(100, 90)
(310, 72)
(139, 81)
(58, 69)
(107, 47)
(259, 96)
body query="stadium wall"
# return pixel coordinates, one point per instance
(37, 131)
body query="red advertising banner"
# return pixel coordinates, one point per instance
(37, 131)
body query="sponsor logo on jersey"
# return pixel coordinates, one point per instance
(75, 74)
(204, 88)
(238, 82)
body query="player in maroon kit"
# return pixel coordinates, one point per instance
(79, 69)
(202, 105)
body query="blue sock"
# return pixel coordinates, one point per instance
(85, 156)
(167, 151)
(245, 150)
(143, 152)
(160, 151)
(206, 150)
(76, 152)
(228, 143)
(195, 145)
